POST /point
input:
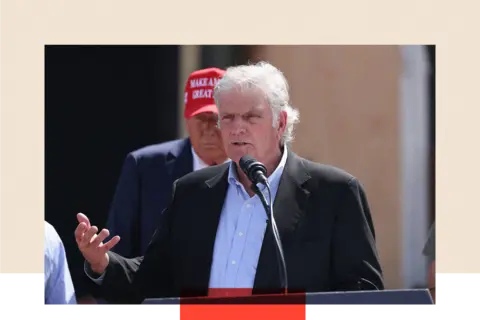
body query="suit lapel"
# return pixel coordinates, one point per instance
(288, 209)
(212, 203)
(180, 160)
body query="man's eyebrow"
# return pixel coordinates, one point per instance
(254, 111)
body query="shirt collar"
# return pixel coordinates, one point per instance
(198, 163)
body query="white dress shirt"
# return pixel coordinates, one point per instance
(198, 163)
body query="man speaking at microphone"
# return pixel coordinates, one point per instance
(216, 235)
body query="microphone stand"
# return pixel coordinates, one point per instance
(279, 252)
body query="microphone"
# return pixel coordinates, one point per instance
(256, 173)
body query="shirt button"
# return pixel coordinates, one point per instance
(240, 234)
(234, 262)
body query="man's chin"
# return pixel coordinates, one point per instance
(236, 155)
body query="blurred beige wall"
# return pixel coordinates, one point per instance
(348, 97)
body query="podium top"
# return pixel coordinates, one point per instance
(406, 296)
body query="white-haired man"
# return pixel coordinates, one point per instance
(214, 235)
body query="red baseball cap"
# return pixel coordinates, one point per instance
(199, 91)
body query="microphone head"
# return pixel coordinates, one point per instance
(245, 161)
(251, 167)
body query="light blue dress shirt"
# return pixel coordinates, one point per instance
(58, 282)
(240, 232)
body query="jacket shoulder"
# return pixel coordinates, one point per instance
(327, 173)
(201, 176)
(157, 150)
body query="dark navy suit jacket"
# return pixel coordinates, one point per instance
(143, 191)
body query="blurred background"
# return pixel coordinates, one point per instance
(367, 109)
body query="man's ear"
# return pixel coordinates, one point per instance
(282, 123)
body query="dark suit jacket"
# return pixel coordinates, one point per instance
(143, 191)
(324, 222)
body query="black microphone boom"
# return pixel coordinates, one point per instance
(256, 173)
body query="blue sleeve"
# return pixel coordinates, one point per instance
(124, 211)
(58, 283)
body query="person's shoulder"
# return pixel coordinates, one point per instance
(52, 241)
(326, 173)
(48, 227)
(159, 149)
(51, 234)
(201, 176)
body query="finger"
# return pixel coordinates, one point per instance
(83, 218)
(87, 238)
(99, 238)
(110, 244)
(80, 231)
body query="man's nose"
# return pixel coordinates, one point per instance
(238, 127)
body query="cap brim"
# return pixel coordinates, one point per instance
(203, 109)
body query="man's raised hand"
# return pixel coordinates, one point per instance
(91, 244)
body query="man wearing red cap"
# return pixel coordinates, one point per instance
(145, 184)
